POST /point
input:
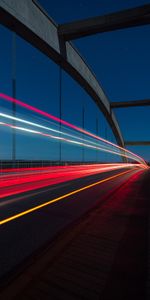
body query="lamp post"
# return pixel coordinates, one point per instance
(60, 111)
(14, 95)
(97, 135)
(83, 124)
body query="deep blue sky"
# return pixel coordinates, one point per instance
(120, 61)
(67, 11)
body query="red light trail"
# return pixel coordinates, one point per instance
(38, 207)
(47, 115)
(15, 181)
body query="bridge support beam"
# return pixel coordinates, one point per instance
(123, 19)
(28, 20)
(137, 143)
(145, 102)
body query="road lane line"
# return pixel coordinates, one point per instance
(23, 213)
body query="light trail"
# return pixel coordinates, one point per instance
(67, 140)
(21, 182)
(62, 168)
(34, 175)
(37, 125)
(49, 129)
(38, 207)
(45, 114)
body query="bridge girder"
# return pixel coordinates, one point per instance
(137, 143)
(28, 20)
(119, 20)
(123, 104)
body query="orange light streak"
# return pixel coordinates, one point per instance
(38, 207)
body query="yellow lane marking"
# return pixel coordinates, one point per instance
(23, 213)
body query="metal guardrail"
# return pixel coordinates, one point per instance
(4, 164)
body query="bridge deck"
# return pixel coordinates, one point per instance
(106, 255)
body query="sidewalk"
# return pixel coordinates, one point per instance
(104, 256)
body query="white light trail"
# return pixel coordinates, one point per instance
(69, 125)
(67, 140)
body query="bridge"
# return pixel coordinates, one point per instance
(74, 157)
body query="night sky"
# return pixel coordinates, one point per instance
(119, 59)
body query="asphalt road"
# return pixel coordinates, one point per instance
(22, 237)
